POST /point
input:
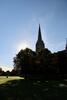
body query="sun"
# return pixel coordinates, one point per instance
(23, 46)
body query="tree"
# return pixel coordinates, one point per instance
(23, 61)
(1, 71)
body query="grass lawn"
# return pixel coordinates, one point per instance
(16, 88)
(4, 79)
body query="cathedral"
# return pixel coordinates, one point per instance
(41, 62)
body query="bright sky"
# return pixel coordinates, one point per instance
(19, 20)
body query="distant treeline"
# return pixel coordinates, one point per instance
(44, 64)
(8, 73)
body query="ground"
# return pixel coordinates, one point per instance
(16, 88)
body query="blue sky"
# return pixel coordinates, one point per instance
(19, 21)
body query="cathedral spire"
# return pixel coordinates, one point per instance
(39, 34)
(39, 44)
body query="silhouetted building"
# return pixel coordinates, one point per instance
(39, 44)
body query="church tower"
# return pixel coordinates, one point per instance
(39, 44)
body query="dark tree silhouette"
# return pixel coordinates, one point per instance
(43, 64)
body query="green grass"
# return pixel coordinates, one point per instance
(4, 79)
(16, 88)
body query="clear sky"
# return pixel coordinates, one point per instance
(19, 21)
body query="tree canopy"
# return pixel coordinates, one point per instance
(44, 64)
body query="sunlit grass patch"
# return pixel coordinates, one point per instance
(4, 79)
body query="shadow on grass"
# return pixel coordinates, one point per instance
(33, 90)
